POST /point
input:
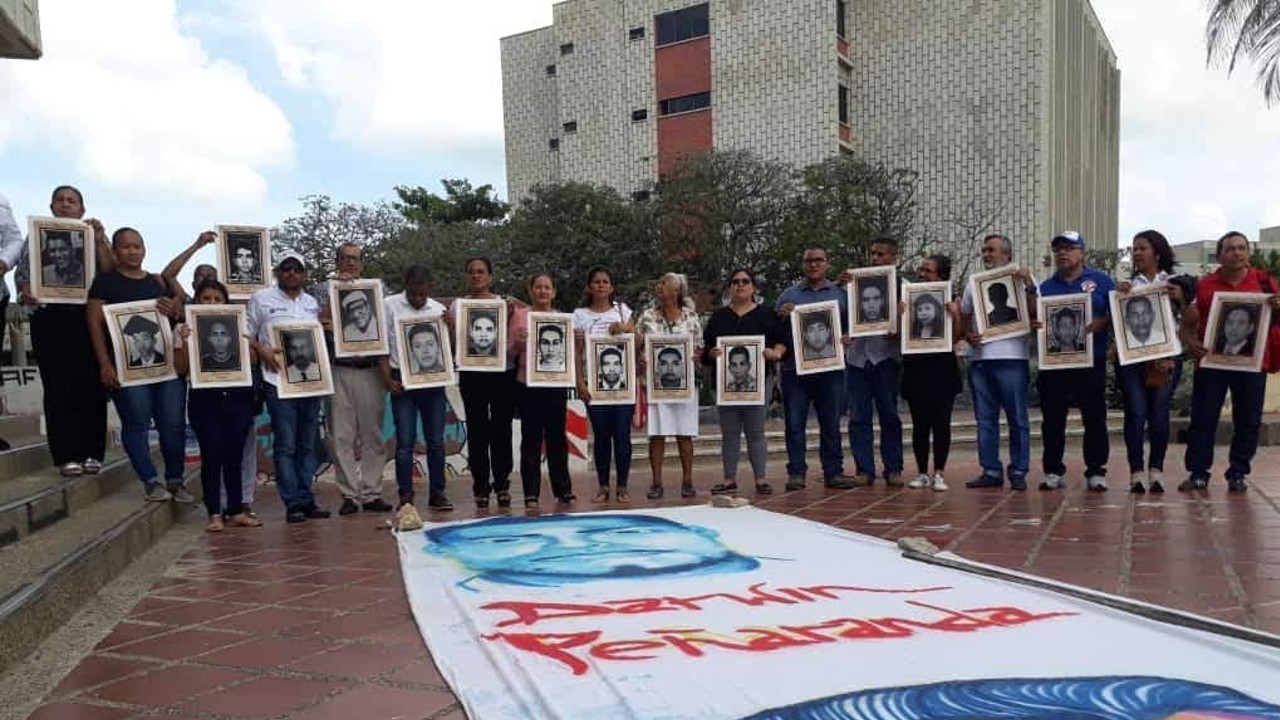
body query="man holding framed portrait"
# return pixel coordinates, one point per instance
(1208, 336)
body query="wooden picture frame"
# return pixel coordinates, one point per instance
(871, 295)
(481, 325)
(608, 355)
(217, 351)
(141, 342)
(743, 353)
(1064, 343)
(670, 363)
(920, 333)
(550, 353)
(996, 317)
(439, 370)
(1146, 308)
(359, 318)
(828, 354)
(296, 379)
(244, 259)
(1224, 350)
(61, 260)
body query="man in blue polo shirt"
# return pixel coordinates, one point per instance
(1086, 386)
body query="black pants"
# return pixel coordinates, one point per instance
(542, 418)
(489, 399)
(1087, 387)
(931, 416)
(221, 419)
(75, 404)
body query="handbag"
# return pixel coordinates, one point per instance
(1155, 374)
(640, 415)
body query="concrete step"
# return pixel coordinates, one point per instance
(48, 574)
(19, 425)
(39, 499)
(27, 453)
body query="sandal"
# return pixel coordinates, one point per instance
(655, 492)
(566, 499)
(72, 469)
(725, 488)
(215, 524)
(504, 499)
(764, 488)
(602, 496)
(687, 490)
(623, 496)
(529, 502)
(482, 501)
(244, 520)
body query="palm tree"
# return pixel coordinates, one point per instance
(1247, 30)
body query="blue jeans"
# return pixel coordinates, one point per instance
(874, 388)
(1146, 413)
(407, 408)
(611, 433)
(137, 407)
(826, 392)
(295, 423)
(1208, 393)
(996, 385)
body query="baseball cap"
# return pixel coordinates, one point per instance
(1069, 237)
(290, 255)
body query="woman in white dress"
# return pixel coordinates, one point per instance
(673, 314)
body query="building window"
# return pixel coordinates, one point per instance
(551, 70)
(640, 195)
(686, 103)
(566, 49)
(690, 22)
(840, 17)
(844, 105)
(554, 143)
(571, 126)
(639, 115)
(636, 33)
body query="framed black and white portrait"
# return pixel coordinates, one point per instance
(926, 325)
(1144, 324)
(482, 334)
(244, 253)
(872, 295)
(740, 369)
(424, 353)
(549, 351)
(1235, 335)
(815, 334)
(358, 319)
(611, 369)
(1063, 341)
(61, 260)
(305, 368)
(217, 349)
(141, 341)
(670, 362)
(999, 304)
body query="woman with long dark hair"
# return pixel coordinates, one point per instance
(928, 318)
(930, 383)
(601, 313)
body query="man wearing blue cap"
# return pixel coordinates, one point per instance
(1087, 386)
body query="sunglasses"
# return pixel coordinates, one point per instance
(740, 281)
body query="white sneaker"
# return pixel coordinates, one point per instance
(938, 484)
(1053, 482)
(1096, 483)
(921, 481)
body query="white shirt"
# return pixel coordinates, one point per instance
(11, 242)
(597, 323)
(396, 308)
(1014, 348)
(1138, 280)
(271, 306)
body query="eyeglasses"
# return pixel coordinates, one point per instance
(740, 281)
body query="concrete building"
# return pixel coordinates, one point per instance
(20, 29)
(1200, 257)
(1008, 109)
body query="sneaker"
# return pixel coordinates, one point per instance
(1193, 484)
(795, 482)
(1053, 482)
(985, 481)
(92, 466)
(1157, 481)
(349, 507)
(180, 494)
(377, 505)
(1096, 483)
(861, 480)
(922, 481)
(296, 516)
(155, 492)
(439, 502)
(893, 479)
(938, 484)
(1018, 482)
(839, 482)
(1136, 487)
(1237, 485)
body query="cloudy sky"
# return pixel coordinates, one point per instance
(175, 116)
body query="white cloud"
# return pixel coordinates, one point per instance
(1197, 147)
(399, 71)
(132, 102)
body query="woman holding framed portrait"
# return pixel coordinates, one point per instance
(930, 384)
(672, 314)
(542, 409)
(742, 316)
(601, 313)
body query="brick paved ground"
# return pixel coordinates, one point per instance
(310, 621)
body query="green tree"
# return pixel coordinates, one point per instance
(1269, 261)
(443, 249)
(1247, 30)
(460, 203)
(325, 224)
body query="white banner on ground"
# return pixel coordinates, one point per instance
(701, 612)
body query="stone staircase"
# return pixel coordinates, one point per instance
(61, 539)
